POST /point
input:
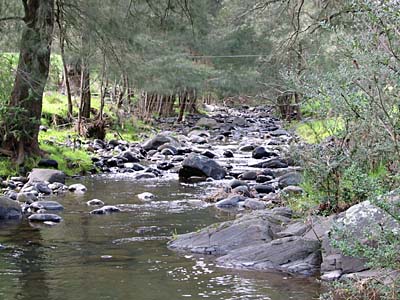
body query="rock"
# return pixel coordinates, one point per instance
(77, 188)
(47, 205)
(219, 239)
(146, 196)
(331, 276)
(279, 132)
(199, 165)
(112, 162)
(292, 178)
(159, 140)
(195, 139)
(46, 175)
(43, 188)
(274, 163)
(134, 166)
(295, 229)
(9, 209)
(290, 254)
(144, 176)
(250, 175)
(264, 188)
(105, 210)
(239, 121)
(95, 202)
(57, 186)
(27, 197)
(228, 154)
(263, 178)
(261, 152)
(292, 190)
(209, 154)
(236, 183)
(247, 148)
(45, 218)
(254, 204)
(230, 202)
(165, 165)
(129, 157)
(362, 223)
(207, 123)
(48, 163)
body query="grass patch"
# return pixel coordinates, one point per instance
(315, 131)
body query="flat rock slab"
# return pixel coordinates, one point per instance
(45, 218)
(290, 254)
(219, 239)
(47, 205)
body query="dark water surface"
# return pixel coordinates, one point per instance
(124, 255)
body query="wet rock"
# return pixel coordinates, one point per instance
(77, 188)
(250, 175)
(144, 176)
(48, 163)
(209, 154)
(264, 188)
(230, 202)
(46, 205)
(291, 254)
(274, 163)
(45, 218)
(11, 195)
(112, 162)
(263, 178)
(159, 140)
(292, 178)
(195, 139)
(95, 202)
(9, 209)
(165, 165)
(236, 183)
(228, 154)
(202, 166)
(146, 196)
(279, 132)
(247, 148)
(261, 152)
(129, 157)
(48, 175)
(105, 210)
(27, 197)
(43, 188)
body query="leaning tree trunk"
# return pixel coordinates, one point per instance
(31, 77)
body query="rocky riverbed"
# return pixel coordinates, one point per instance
(243, 156)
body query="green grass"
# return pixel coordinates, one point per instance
(315, 131)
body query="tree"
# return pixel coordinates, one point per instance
(31, 76)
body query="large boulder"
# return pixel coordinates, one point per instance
(9, 209)
(290, 179)
(220, 239)
(290, 254)
(362, 223)
(201, 166)
(48, 175)
(159, 140)
(207, 123)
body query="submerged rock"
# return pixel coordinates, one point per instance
(95, 202)
(45, 218)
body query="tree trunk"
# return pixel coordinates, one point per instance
(31, 78)
(85, 91)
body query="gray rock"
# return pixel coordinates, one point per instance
(144, 176)
(290, 254)
(43, 188)
(45, 218)
(105, 210)
(95, 202)
(331, 276)
(159, 140)
(219, 239)
(264, 188)
(254, 204)
(250, 175)
(146, 196)
(27, 197)
(48, 175)
(207, 123)
(9, 209)
(290, 179)
(261, 152)
(77, 188)
(230, 202)
(236, 183)
(295, 229)
(46, 205)
(292, 190)
(201, 166)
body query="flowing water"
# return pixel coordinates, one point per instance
(124, 255)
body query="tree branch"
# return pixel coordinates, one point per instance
(13, 18)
